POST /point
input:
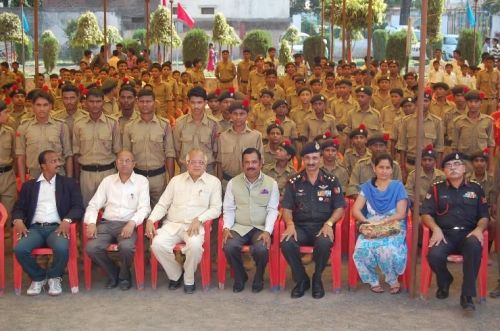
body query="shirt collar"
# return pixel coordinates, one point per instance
(188, 177)
(260, 178)
(42, 178)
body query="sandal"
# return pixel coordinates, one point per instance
(395, 289)
(377, 289)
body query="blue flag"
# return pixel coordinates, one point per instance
(26, 25)
(470, 15)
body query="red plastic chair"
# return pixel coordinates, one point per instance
(206, 272)
(426, 272)
(72, 261)
(138, 258)
(3, 219)
(352, 274)
(273, 256)
(335, 255)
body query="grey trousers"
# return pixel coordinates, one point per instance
(108, 232)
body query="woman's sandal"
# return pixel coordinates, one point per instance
(377, 289)
(395, 289)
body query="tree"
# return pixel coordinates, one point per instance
(195, 45)
(87, 31)
(396, 47)
(50, 50)
(464, 45)
(28, 50)
(140, 34)
(220, 30)
(161, 30)
(257, 41)
(285, 54)
(292, 35)
(356, 16)
(113, 35)
(379, 44)
(132, 43)
(314, 46)
(10, 30)
(436, 8)
(74, 52)
(231, 39)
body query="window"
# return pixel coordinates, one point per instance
(138, 19)
(207, 10)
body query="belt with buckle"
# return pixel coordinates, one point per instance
(150, 173)
(5, 169)
(46, 223)
(97, 167)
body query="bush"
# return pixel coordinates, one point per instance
(313, 47)
(285, 52)
(396, 47)
(132, 43)
(433, 45)
(195, 45)
(28, 51)
(257, 41)
(140, 34)
(465, 42)
(379, 44)
(50, 50)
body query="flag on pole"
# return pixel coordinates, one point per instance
(26, 25)
(470, 15)
(183, 15)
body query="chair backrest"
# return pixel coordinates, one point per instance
(3, 218)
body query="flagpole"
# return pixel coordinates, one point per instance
(146, 13)
(22, 34)
(105, 9)
(171, 28)
(475, 30)
(36, 45)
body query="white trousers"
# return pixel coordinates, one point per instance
(163, 247)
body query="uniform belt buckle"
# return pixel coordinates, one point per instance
(458, 228)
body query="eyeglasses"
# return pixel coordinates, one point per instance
(126, 161)
(196, 162)
(455, 164)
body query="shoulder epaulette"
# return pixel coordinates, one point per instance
(472, 180)
(438, 181)
(112, 116)
(295, 178)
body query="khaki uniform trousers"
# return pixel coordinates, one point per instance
(89, 182)
(163, 245)
(8, 192)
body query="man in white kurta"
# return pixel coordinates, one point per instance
(190, 199)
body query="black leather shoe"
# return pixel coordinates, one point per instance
(467, 303)
(125, 284)
(112, 283)
(318, 290)
(257, 287)
(240, 286)
(299, 289)
(189, 289)
(442, 293)
(175, 284)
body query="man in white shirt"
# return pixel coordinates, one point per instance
(125, 199)
(190, 199)
(250, 211)
(41, 217)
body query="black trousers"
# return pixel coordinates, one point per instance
(307, 236)
(457, 243)
(259, 251)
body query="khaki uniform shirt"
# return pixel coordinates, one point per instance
(187, 135)
(489, 83)
(396, 128)
(225, 72)
(425, 182)
(328, 93)
(224, 125)
(387, 115)
(292, 98)
(33, 137)
(379, 101)
(269, 155)
(243, 71)
(433, 134)
(470, 136)
(439, 109)
(363, 171)
(7, 141)
(255, 80)
(161, 91)
(70, 120)
(18, 117)
(281, 177)
(340, 173)
(231, 146)
(287, 82)
(198, 78)
(313, 126)
(123, 121)
(96, 142)
(448, 120)
(258, 116)
(397, 82)
(339, 108)
(289, 127)
(351, 156)
(486, 183)
(151, 142)
(298, 115)
(277, 90)
(370, 118)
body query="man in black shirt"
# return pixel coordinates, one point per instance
(456, 212)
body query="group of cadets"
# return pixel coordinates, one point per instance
(88, 115)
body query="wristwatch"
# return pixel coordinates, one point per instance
(68, 220)
(329, 223)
